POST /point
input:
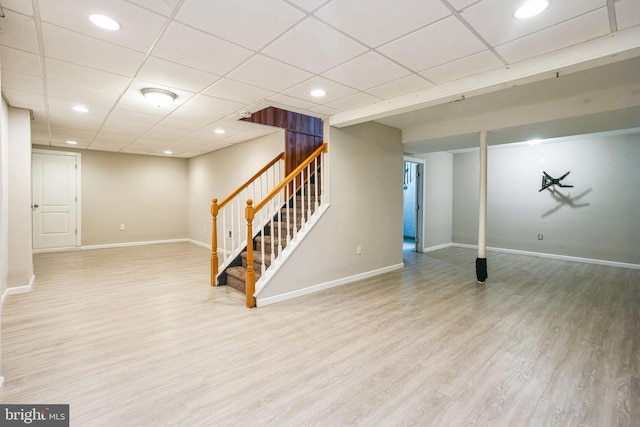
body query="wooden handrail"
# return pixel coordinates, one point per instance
(289, 178)
(253, 178)
(215, 208)
(250, 212)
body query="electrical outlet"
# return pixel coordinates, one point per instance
(359, 250)
(230, 236)
(540, 236)
(122, 227)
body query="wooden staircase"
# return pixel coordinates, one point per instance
(273, 226)
(277, 236)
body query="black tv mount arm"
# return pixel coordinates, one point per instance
(548, 181)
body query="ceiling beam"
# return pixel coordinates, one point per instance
(615, 47)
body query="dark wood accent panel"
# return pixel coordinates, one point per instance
(303, 134)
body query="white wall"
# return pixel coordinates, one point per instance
(20, 273)
(217, 174)
(4, 215)
(438, 199)
(366, 168)
(602, 223)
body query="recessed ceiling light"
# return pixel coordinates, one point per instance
(104, 22)
(531, 8)
(72, 142)
(158, 97)
(219, 131)
(318, 93)
(168, 152)
(80, 109)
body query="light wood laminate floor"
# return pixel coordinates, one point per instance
(136, 337)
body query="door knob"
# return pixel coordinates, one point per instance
(35, 206)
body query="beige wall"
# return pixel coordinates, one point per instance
(219, 173)
(366, 172)
(4, 198)
(146, 193)
(20, 253)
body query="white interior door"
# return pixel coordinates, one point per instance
(55, 200)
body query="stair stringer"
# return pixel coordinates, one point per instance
(264, 280)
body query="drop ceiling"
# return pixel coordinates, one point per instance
(400, 62)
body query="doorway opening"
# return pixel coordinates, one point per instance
(412, 210)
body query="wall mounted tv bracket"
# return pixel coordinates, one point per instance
(548, 181)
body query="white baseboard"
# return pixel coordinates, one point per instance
(260, 302)
(112, 245)
(437, 247)
(199, 243)
(554, 256)
(13, 290)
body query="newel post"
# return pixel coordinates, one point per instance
(214, 241)
(250, 278)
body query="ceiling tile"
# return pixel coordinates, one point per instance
(170, 74)
(21, 99)
(21, 6)
(163, 133)
(314, 46)
(68, 123)
(577, 30)
(120, 114)
(176, 123)
(494, 19)
(351, 102)
(376, 22)
(291, 102)
(19, 32)
(164, 7)
(195, 49)
(426, 48)
(125, 127)
(65, 134)
(22, 82)
(20, 61)
(214, 106)
(79, 75)
(358, 73)
(116, 138)
(462, 4)
(80, 94)
(308, 5)
(237, 91)
(77, 48)
(334, 90)
(250, 23)
(473, 64)
(411, 83)
(269, 74)
(627, 13)
(140, 27)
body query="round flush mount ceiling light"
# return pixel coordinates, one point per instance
(531, 8)
(318, 93)
(104, 22)
(158, 97)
